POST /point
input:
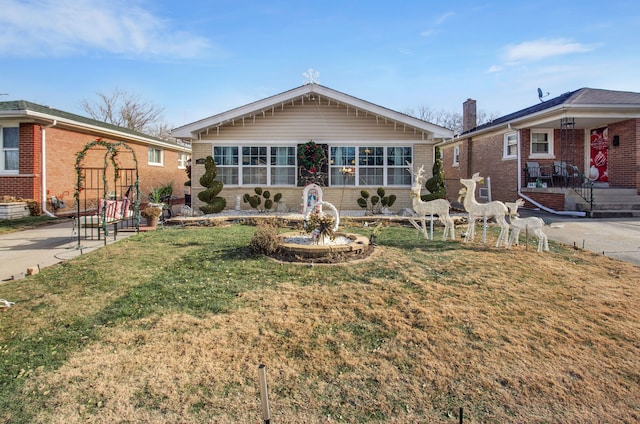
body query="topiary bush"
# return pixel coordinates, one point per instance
(214, 203)
(374, 204)
(435, 184)
(256, 201)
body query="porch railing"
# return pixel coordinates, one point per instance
(583, 186)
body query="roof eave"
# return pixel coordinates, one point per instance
(191, 131)
(25, 113)
(560, 111)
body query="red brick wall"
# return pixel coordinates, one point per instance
(62, 146)
(502, 173)
(553, 201)
(483, 156)
(624, 160)
(637, 154)
(452, 174)
(28, 181)
(572, 152)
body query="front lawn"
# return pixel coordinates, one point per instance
(13, 225)
(171, 326)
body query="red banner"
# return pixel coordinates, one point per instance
(599, 144)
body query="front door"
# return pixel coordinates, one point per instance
(598, 163)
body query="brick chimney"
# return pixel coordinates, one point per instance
(469, 115)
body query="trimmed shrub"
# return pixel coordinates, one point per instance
(214, 203)
(256, 201)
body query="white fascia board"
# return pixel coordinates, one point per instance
(587, 111)
(112, 133)
(577, 112)
(190, 131)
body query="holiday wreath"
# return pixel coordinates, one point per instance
(311, 156)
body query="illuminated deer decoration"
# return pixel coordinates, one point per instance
(532, 223)
(477, 210)
(438, 207)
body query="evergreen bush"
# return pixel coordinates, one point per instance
(214, 203)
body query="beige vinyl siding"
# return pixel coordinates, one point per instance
(200, 150)
(423, 155)
(321, 123)
(324, 123)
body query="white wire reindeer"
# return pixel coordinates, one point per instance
(439, 207)
(477, 210)
(532, 223)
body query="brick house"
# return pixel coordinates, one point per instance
(256, 145)
(39, 147)
(578, 153)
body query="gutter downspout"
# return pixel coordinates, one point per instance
(44, 167)
(530, 200)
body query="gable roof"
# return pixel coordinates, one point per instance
(591, 107)
(22, 109)
(192, 130)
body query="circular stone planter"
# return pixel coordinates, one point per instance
(354, 247)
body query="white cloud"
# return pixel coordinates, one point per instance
(540, 49)
(494, 68)
(440, 20)
(407, 52)
(65, 27)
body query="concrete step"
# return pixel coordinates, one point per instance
(616, 205)
(603, 213)
(583, 206)
(610, 202)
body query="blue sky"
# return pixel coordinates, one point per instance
(199, 58)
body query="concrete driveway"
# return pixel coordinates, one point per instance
(614, 237)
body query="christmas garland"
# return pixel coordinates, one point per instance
(111, 154)
(310, 156)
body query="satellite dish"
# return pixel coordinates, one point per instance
(541, 95)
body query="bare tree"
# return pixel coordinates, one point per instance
(447, 119)
(162, 130)
(127, 110)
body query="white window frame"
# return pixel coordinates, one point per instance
(149, 158)
(4, 150)
(397, 166)
(256, 165)
(230, 162)
(510, 139)
(336, 179)
(291, 164)
(456, 155)
(237, 168)
(549, 141)
(183, 158)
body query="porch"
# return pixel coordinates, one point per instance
(605, 202)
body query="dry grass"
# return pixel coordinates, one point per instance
(411, 336)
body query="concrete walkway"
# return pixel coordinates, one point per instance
(43, 246)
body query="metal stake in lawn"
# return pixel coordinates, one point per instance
(262, 373)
